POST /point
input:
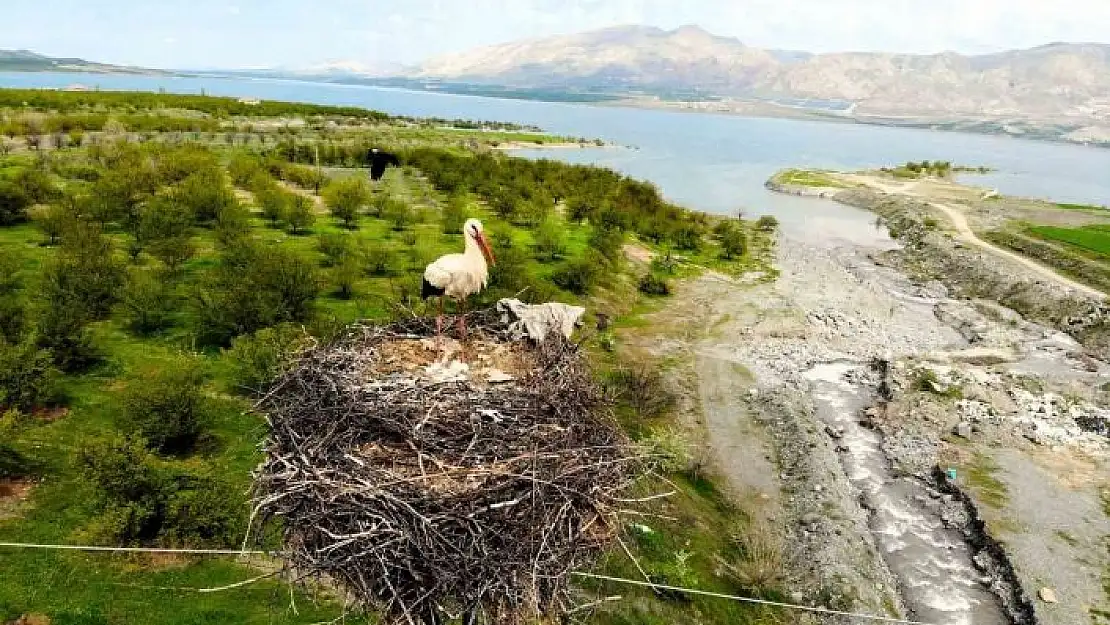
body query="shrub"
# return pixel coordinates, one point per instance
(607, 242)
(455, 213)
(336, 247)
(165, 230)
(36, 185)
(274, 203)
(734, 242)
(205, 195)
(28, 378)
(257, 359)
(580, 276)
(398, 214)
(758, 565)
(651, 284)
(551, 241)
(243, 167)
(148, 302)
(511, 271)
(767, 223)
(299, 213)
(167, 406)
(642, 388)
(344, 276)
(377, 259)
(140, 499)
(345, 197)
(13, 203)
(252, 287)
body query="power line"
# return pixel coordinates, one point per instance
(214, 552)
(619, 580)
(778, 604)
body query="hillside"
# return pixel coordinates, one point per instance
(1053, 81)
(27, 61)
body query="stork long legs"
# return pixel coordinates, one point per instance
(439, 323)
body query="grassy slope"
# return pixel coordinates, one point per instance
(96, 588)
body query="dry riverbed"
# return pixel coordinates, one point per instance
(919, 453)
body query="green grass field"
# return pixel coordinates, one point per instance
(808, 178)
(1095, 239)
(50, 442)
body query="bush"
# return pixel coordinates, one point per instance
(642, 388)
(582, 275)
(767, 223)
(551, 243)
(455, 213)
(758, 565)
(607, 242)
(253, 286)
(274, 203)
(398, 214)
(257, 359)
(28, 378)
(299, 213)
(12, 317)
(165, 230)
(344, 276)
(13, 203)
(511, 271)
(243, 167)
(148, 302)
(205, 195)
(651, 284)
(377, 259)
(140, 499)
(167, 406)
(734, 242)
(345, 197)
(336, 247)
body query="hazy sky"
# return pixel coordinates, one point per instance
(250, 33)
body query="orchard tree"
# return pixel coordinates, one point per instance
(345, 198)
(299, 215)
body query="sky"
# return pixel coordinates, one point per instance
(295, 33)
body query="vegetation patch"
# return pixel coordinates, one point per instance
(156, 273)
(809, 178)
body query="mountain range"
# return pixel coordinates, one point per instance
(1059, 80)
(27, 61)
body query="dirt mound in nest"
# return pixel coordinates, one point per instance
(422, 484)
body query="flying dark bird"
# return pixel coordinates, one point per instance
(379, 161)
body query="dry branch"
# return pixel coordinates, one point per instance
(419, 497)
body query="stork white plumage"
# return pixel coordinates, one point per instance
(459, 276)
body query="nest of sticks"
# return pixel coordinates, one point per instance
(422, 494)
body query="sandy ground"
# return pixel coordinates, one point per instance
(745, 351)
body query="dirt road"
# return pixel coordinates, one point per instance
(958, 218)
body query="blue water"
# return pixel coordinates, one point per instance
(714, 163)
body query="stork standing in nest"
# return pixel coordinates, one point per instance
(459, 276)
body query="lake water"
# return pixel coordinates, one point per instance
(714, 163)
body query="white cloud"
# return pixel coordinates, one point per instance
(234, 10)
(169, 40)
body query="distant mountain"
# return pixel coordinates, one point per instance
(27, 61)
(1060, 80)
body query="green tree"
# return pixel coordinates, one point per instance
(336, 247)
(259, 358)
(165, 230)
(14, 203)
(580, 276)
(28, 378)
(166, 405)
(148, 302)
(398, 214)
(252, 287)
(344, 276)
(767, 223)
(300, 215)
(551, 241)
(455, 213)
(205, 194)
(734, 242)
(345, 197)
(12, 306)
(274, 203)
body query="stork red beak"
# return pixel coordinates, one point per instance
(486, 251)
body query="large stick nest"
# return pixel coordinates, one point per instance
(419, 495)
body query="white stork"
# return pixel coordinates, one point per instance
(459, 276)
